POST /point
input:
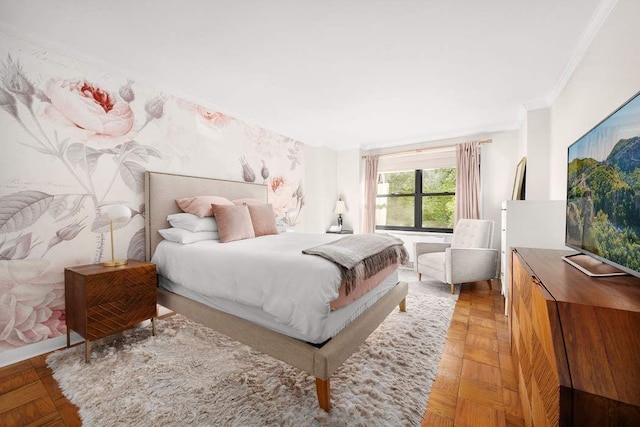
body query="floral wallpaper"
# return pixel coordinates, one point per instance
(76, 139)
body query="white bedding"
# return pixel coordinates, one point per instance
(269, 273)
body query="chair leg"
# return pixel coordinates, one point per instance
(419, 277)
(453, 288)
(490, 284)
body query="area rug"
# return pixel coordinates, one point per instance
(190, 375)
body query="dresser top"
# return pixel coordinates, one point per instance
(568, 284)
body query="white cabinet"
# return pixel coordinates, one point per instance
(531, 224)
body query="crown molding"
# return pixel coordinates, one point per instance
(597, 19)
(536, 105)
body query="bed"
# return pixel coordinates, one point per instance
(319, 360)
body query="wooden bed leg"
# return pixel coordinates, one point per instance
(323, 390)
(403, 305)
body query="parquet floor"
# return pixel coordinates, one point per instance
(475, 384)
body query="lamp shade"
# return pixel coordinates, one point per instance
(341, 208)
(118, 212)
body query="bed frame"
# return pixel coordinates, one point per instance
(161, 190)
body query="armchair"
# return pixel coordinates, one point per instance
(468, 258)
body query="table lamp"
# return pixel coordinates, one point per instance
(340, 209)
(116, 213)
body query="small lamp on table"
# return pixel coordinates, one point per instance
(340, 209)
(117, 214)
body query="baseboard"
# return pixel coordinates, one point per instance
(16, 355)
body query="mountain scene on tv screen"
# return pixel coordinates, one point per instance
(603, 204)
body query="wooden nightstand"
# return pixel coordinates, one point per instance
(101, 301)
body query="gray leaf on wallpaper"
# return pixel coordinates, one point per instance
(43, 150)
(136, 151)
(60, 204)
(133, 175)
(152, 151)
(136, 246)
(84, 156)
(18, 248)
(22, 209)
(57, 206)
(62, 145)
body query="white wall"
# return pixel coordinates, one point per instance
(498, 169)
(538, 146)
(320, 176)
(607, 76)
(349, 187)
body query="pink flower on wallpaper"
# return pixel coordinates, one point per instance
(214, 118)
(31, 303)
(89, 107)
(281, 195)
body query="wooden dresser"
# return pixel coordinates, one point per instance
(575, 342)
(101, 301)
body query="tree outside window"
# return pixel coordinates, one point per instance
(416, 200)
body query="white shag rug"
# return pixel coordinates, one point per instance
(190, 375)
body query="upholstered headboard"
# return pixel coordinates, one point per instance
(162, 189)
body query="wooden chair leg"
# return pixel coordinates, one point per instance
(490, 284)
(453, 288)
(323, 390)
(419, 277)
(403, 305)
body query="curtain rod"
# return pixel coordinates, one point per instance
(419, 150)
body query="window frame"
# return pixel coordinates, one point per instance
(417, 207)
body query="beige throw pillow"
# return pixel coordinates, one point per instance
(234, 222)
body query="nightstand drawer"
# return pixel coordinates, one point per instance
(119, 284)
(119, 315)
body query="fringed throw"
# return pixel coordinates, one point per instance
(361, 256)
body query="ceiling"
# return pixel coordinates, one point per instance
(341, 74)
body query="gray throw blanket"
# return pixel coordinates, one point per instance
(361, 256)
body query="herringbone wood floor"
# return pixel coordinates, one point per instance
(475, 385)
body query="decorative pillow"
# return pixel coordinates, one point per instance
(263, 219)
(247, 201)
(180, 235)
(192, 222)
(234, 222)
(201, 205)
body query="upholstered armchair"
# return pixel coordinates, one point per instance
(468, 258)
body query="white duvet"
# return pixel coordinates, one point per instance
(268, 272)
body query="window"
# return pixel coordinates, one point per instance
(416, 200)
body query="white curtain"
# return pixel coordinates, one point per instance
(370, 190)
(467, 181)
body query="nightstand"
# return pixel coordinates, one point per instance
(343, 231)
(101, 301)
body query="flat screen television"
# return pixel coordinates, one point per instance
(603, 195)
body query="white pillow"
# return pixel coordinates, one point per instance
(192, 222)
(180, 235)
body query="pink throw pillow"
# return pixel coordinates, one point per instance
(201, 205)
(263, 219)
(234, 222)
